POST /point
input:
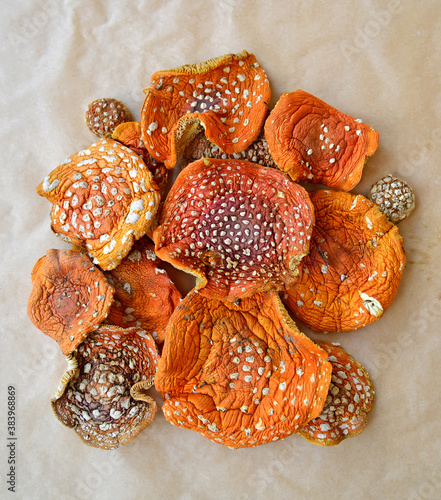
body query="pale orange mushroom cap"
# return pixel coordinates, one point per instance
(104, 198)
(228, 96)
(241, 374)
(237, 226)
(354, 268)
(349, 400)
(314, 142)
(70, 297)
(102, 394)
(144, 294)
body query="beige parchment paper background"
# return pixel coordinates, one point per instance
(375, 60)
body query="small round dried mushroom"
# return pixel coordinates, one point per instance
(226, 96)
(314, 142)
(144, 294)
(394, 197)
(70, 297)
(237, 226)
(349, 400)
(104, 198)
(104, 115)
(240, 373)
(102, 394)
(354, 268)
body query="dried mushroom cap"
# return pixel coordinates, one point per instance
(129, 134)
(144, 294)
(102, 393)
(201, 147)
(70, 297)
(394, 197)
(352, 273)
(227, 96)
(104, 115)
(103, 198)
(312, 141)
(349, 400)
(240, 373)
(238, 227)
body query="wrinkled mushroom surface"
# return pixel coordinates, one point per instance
(201, 147)
(129, 134)
(349, 400)
(238, 227)
(103, 198)
(352, 273)
(104, 115)
(241, 373)
(70, 297)
(226, 96)
(102, 394)
(144, 294)
(312, 141)
(394, 197)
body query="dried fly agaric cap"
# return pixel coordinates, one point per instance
(240, 373)
(129, 134)
(144, 294)
(238, 227)
(349, 400)
(201, 147)
(352, 273)
(227, 96)
(394, 197)
(312, 141)
(104, 115)
(103, 198)
(102, 394)
(70, 297)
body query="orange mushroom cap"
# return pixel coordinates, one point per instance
(352, 273)
(104, 197)
(238, 227)
(349, 400)
(144, 294)
(102, 394)
(70, 297)
(312, 141)
(129, 134)
(240, 373)
(228, 96)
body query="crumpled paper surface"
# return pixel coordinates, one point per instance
(379, 61)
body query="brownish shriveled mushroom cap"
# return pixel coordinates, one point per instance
(104, 115)
(102, 394)
(238, 227)
(241, 373)
(312, 141)
(227, 96)
(349, 400)
(352, 273)
(104, 198)
(144, 294)
(70, 297)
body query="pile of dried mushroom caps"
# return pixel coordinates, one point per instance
(233, 364)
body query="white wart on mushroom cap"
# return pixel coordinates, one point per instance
(237, 226)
